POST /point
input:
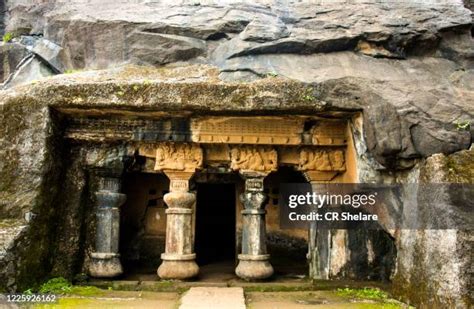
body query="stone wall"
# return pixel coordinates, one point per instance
(29, 187)
(75, 235)
(28, 150)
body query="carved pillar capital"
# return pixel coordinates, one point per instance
(179, 180)
(322, 160)
(249, 160)
(184, 157)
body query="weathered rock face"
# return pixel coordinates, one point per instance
(408, 105)
(10, 55)
(97, 34)
(434, 267)
(2, 17)
(469, 4)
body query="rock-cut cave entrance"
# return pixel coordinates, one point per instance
(215, 242)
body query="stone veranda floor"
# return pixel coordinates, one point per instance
(218, 287)
(226, 298)
(225, 292)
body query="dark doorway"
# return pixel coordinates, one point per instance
(215, 223)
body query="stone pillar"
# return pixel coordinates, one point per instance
(105, 260)
(179, 257)
(318, 239)
(254, 261)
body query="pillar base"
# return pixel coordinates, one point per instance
(105, 265)
(178, 266)
(254, 267)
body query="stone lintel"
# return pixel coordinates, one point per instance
(246, 159)
(248, 130)
(238, 130)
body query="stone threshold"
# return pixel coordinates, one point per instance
(282, 285)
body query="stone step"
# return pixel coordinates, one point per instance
(213, 297)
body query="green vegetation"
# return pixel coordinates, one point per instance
(7, 37)
(464, 125)
(277, 288)
(62, 286)
(379, 306)
(71, 303)
(365, 293)
(71, 71)
(56, 286)
(376, 298)
(308, 95)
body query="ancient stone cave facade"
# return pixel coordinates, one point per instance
(144, 136)
(184, 149)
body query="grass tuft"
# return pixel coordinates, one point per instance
(365, 293)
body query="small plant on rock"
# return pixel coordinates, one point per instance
(308, 95)
(7, 37)
(71, 71)
(365, 293)
(462, 125)
(56, 286)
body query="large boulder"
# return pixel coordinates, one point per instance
(412, 108)
(11, 55)
(96, 34)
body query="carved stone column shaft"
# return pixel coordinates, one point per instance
(254, 261)
(318, 239)
(105, 260)
(179, 257)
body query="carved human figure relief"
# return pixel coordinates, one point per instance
(321, 160)
(259, 159)
(180, 157)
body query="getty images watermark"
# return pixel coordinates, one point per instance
(371, 206)
(318, 200)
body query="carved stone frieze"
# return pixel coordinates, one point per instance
(329, 133)
(179, 157)
(321, 160)
(247, 130)
(253, 158)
